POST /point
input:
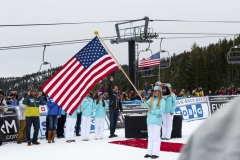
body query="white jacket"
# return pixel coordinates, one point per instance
(22, 109)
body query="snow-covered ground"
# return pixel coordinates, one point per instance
(91, 150)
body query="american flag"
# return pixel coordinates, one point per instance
(154, 60)
(73, 81)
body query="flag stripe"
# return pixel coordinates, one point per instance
(89, 88)
(73, 76)
(48, 82)
(58, 76)
(96, 77)
(82, 80)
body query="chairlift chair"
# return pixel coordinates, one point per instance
(233, 56)
(43, 77)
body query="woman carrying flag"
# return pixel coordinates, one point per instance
(156, 107)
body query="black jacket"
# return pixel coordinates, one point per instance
(114, 99)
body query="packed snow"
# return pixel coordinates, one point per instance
(90, 150)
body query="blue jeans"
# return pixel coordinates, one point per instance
(35, 121)
(113, 113)
(52, 122)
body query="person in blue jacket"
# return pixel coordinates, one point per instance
(70, 126)
(87, 113)
(100, 106)
(167, 116)
(156, 107)
(54, 112)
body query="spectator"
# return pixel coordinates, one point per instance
(32, 102)
(238, 91)
(105, 96)
(210, 93)
(3, 108)
(100, 106)
(229, 91)
(22, 127)
(194, 94)
(200, 92)
(102, 89)
(146, 87)
(216, 92)
(175, 92)
(220, 92)
(182, 93)
(54, 112)
(60, 125)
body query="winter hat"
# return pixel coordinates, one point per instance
(100, 93)
(168, 85)
(158, 83)
(157, 88)
(20, 94)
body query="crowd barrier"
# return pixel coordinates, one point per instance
(190, 108)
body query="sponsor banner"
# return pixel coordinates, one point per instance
(189, 101)
(193, 108)
(193, 112)
(216, 103)
(10, 125)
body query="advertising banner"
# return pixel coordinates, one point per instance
(216, 103)
(193, 108)
(11, 124)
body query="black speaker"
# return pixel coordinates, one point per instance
(136, 126)
(177, 126)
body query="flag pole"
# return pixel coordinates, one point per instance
(105, 46)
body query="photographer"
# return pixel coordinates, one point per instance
(3, 108)
(32, 101)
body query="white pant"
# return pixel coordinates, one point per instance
(99, 127)
(70, 127)
(167, 125)
(154, 140)
(85, 126)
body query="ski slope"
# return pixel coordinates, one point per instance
(90, 150)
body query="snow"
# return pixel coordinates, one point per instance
(90, 150)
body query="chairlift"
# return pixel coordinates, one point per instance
(233, 56)
(166, 64)
(43, 76)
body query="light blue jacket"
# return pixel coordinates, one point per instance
(63, 112)
(170, 104)
(100, 110)
(74, 115)
(155, 117)
(87, 106)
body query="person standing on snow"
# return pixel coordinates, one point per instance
(100, 106)
(114, 106)
(156, 107)
(167, 117)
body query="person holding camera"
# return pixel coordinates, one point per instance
(32, 101)
(3, 108)
(114, 106)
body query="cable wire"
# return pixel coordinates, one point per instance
(162, 20)
(54, 24)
